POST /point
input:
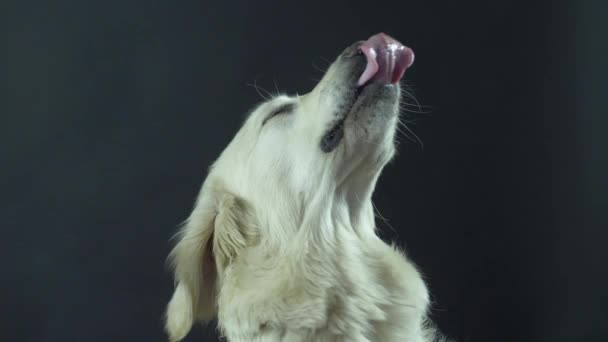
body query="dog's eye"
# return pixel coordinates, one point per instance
(284, 109)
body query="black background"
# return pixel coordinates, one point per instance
(111, 111)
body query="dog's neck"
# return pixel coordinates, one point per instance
(287, 218)
(328, 216)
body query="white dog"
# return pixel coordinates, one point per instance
(281, 244)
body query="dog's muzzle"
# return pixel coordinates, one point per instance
(363, 73)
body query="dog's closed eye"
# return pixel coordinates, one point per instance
(283, 109)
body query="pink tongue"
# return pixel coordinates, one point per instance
(387, 60)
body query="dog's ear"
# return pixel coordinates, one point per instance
(220, 226)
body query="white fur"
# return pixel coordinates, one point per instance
(281, 244)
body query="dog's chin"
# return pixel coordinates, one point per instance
(368, 116)
(375, 103)
(369, 147)
(371, 122)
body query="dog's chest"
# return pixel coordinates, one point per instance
(337, 293)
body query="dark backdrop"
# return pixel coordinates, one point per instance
(111, 111)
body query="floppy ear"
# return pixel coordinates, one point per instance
(220, 226)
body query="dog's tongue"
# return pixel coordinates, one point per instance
(387, 60)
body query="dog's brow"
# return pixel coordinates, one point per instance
(281, 109)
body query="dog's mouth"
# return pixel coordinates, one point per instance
(387, 59)
(384, 63)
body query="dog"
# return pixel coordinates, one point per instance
(281, 243)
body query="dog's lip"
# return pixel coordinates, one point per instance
(357, 98)
(358, 92)
(361, 93)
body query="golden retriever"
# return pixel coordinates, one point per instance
(281, 244)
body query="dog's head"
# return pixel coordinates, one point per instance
(332, 141)
(295, 161)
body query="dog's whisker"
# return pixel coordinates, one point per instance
(325, 60)
(321, 70)
(276, 87)
(405, 135)
(411, 136)
(407, 112)
(379, 214)
(409, 108)
(257, 88)
(408, 122)
(418, 106)
(410, 95)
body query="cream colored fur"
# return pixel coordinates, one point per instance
(281, 244)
